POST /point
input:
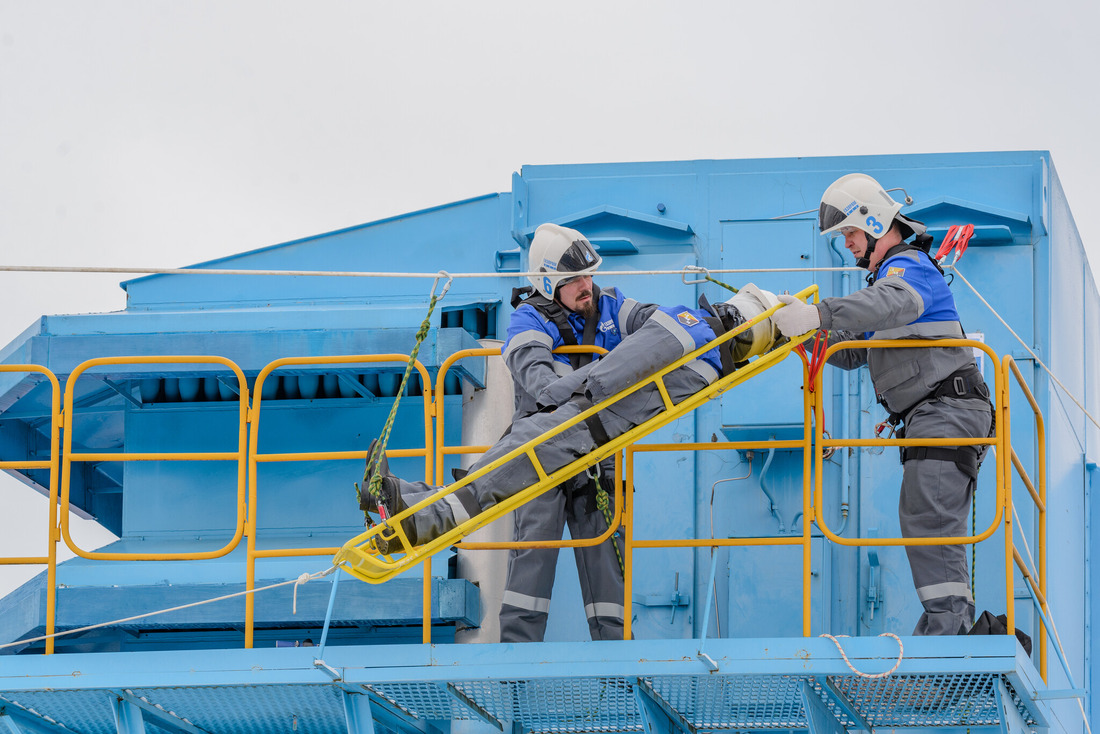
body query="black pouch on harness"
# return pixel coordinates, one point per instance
(988, 624)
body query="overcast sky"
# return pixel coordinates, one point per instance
(152, 133)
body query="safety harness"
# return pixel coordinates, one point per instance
(922, 243)
(555, 312)
(966, 383)
(599, 487)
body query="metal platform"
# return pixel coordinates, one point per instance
(730, 686)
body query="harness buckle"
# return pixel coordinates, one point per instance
(959, 384)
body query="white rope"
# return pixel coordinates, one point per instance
(1029, 350)
(1027, 549)
(1050, 613)
(296, 582)
(302, 578)
(368, 274)
(861, 674)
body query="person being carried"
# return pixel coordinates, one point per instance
(563, 307)
(935, 392)
(666, 336)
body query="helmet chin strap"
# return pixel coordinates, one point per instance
(865, 261)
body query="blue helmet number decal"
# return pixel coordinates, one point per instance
(548, 287)
(875, 225)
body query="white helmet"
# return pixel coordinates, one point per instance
(560, 254)
(857, 200)
(748, 303)
(751, 302)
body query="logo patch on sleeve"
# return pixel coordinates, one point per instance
(687, 319)
(894, 271)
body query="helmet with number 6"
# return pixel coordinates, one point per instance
(858, 201)
(559, 254)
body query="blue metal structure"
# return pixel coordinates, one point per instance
(739, 662)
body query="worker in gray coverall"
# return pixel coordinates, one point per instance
(668, 335)
(563, 308)
(935, 392)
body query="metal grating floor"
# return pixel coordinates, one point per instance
(539, 688)
(550, 706)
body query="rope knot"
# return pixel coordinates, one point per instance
(302, 578)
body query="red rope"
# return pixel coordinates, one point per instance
(817, 356)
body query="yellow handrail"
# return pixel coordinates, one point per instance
(255, 457)
(376, 570)
(442, 451)
(69, 456)
(822, 443)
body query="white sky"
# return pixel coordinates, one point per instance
(153, 133)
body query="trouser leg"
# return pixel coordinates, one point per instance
(553, 453)
(601, 576)
(508, 479)
(530, 579)
(935, 502)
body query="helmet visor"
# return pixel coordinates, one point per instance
(829, 216)
(580, 256)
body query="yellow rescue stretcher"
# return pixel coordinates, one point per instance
(360, 556)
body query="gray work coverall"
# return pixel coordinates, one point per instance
(535, 373)
(668, 335)
(909, 299)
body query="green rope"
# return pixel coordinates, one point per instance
(727, 286)
(973, 546)
(374, 460)
(603, 502)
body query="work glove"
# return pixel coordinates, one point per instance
(796, 318)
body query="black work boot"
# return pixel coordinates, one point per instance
(367, 502)
(389, 503)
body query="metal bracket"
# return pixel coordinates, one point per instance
(155, 713)
(819, 719)
(694, 269)
(874, 593)
(658, 717)
(473, 705)
(1011, 721)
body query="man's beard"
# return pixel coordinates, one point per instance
(588, 310)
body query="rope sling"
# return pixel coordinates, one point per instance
(374, 460)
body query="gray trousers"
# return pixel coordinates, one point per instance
(935, 502)
(554, 453)
(531, 571)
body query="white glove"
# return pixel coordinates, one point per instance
(795, 317)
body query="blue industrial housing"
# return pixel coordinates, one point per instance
(218, 424)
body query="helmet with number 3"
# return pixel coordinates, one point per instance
(559, 254)
(858, 201)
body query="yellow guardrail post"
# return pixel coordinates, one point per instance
(1004, 452)
(52, 537)
(811, 404)
(1038, 493)
(255, 457)
(628, 539)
